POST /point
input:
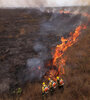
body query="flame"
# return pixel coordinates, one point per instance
(65, 12)
(61, 48)
(58, 57)
(39, 68)
(86, 15)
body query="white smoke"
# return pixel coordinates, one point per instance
(44, 3)
(33, 66)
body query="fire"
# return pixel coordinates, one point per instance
(86, 15)
(65, 12)
(39, 68)
(75, 12)
(58, 57)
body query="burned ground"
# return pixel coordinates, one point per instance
(20, 30)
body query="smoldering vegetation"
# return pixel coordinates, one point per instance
(27, 38)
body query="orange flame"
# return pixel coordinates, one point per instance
(65, 12)
(86, 15)
(58, 59)
(39, 68)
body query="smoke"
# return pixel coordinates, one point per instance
(22, 3)
(42, 3)
(35, 66)
(83, 2)
(35, 69)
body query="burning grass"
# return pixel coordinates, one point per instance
(58, 58)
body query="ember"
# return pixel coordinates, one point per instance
(39, 67)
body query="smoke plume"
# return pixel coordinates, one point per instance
(35, 66)
(42, 3)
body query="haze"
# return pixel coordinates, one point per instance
(42, 3)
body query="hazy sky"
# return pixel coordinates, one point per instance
(36, 3)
